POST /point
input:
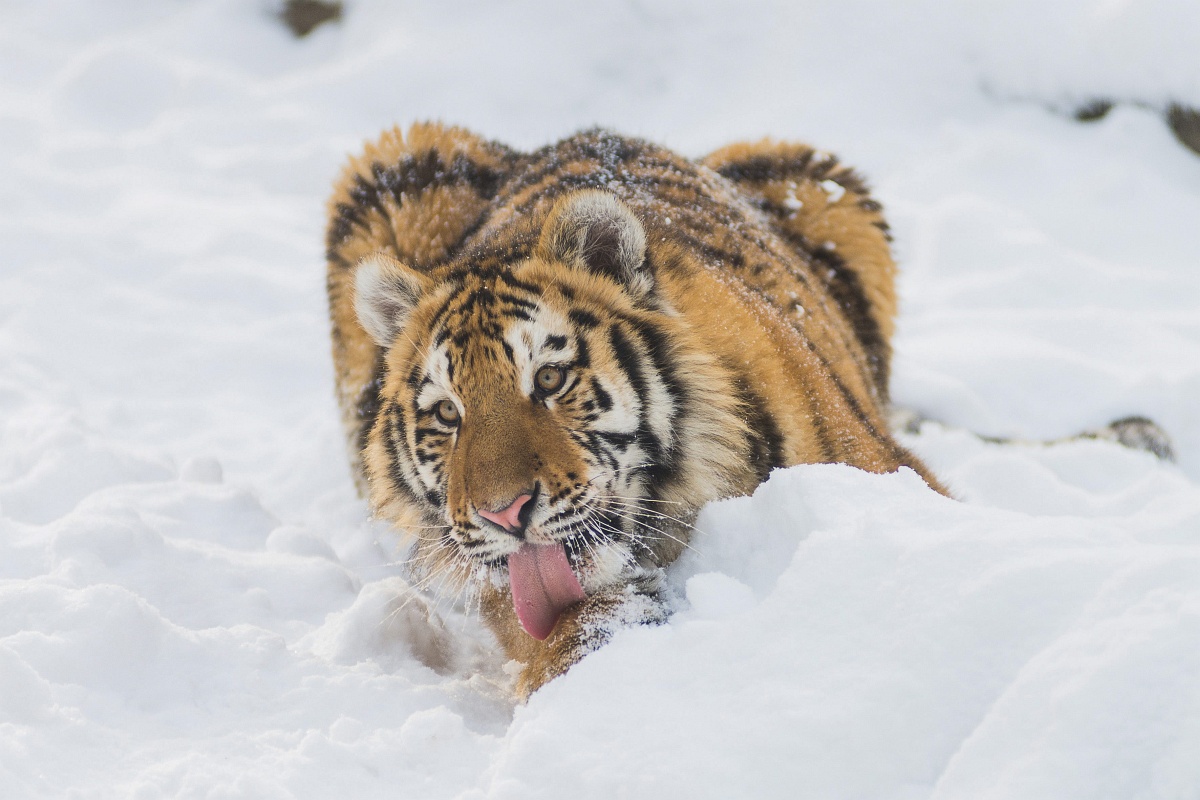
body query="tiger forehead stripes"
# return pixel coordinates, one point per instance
(548, 362)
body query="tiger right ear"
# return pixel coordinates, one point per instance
(593, 230)
(385, 293)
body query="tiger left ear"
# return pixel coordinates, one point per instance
(594, 230)
(385, 293)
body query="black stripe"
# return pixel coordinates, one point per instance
(583, 354)
(516, 283)
(588, 441)
(847, 291)
(769, 167)
(765, 438)
(603, 398)
(516, 313)
(618, 439)
(595, 176)
(898, 453)
(606, 151)
(517, 301)
(420, 434)
(478, 297)
(661, 355)
(566, 513)
(666, 460)
(393, 419)
(629, 360)
(404, 180)
(825, 438)
(370, 399)
(426, 456)
(583, 318)
(709, 252)
(444, 308)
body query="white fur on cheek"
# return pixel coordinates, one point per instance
(606, 566)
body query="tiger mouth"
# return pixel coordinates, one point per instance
(544, 579)
(546, 570)
(543, 585)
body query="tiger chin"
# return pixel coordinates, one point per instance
(548, 362)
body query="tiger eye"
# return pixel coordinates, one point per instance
(550, 379)
(447, 412)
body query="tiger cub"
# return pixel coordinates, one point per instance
(547, 362)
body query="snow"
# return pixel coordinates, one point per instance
(833, 189)
(194, 603)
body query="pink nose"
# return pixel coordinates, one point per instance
(509, 518)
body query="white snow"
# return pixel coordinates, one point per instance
(833, 189)
(193, 602)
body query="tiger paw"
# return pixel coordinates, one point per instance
(584, 628)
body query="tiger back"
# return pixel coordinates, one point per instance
(548, 362)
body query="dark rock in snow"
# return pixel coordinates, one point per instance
(1093, 110)
(303, 16)
(1185, 124)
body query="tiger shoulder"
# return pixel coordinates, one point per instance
(548, 362)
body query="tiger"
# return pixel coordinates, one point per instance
(547, 362)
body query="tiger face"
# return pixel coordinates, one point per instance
(530, 410)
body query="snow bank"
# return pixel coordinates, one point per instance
(885, 640)
(193, 602)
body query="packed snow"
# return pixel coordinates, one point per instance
(194, 602)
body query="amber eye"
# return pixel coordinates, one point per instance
(550, 379)
(447, 412)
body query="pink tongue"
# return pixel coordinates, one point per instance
(542, 586)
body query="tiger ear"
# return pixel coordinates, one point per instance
(385, 293)
(594, 230)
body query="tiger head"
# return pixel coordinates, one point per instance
(544, 421)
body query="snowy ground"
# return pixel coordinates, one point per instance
(194, 604)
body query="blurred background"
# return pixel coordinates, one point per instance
(165, 163)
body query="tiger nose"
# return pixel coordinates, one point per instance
(508, 518)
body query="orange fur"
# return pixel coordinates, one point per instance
(713, 320)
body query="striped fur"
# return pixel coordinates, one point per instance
(709, 321)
